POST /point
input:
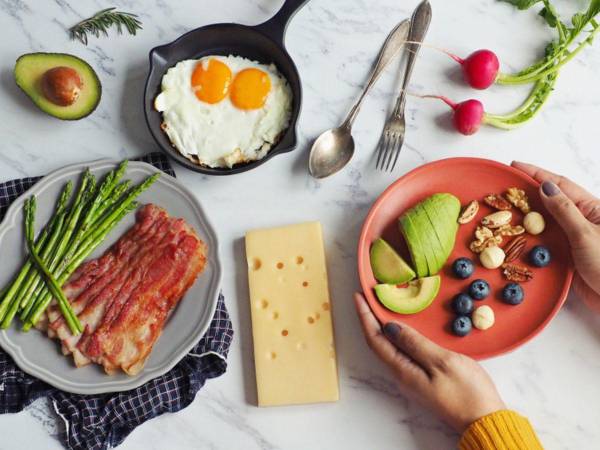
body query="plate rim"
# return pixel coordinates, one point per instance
(414, 172)
(179, 353)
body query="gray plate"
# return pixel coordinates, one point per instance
(40, 356)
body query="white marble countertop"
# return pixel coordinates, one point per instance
(553, 379)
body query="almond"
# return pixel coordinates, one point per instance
(497, 219)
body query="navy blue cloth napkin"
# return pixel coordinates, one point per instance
(98, 422)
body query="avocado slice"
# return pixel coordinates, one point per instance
(416, 297)
(409, 231)
(29, 72)
(443, 215)
(434, 252)
(387, 265)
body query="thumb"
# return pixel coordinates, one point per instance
(564, 211)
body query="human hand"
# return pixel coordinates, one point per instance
(453, 386)
(578, 213)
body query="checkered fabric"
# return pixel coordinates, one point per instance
(98, 422)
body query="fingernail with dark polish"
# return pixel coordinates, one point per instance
(391, 329)
(550, 189)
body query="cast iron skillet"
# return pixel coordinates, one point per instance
(263, 43)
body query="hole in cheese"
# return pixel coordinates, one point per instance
(299, 260)
(280, 265)
(305, 283)
(275, 315)
(263, 304)
(284, 332)
(256, 264)
(317, 316)
(272, 355)
(325, 306)
(311, 319)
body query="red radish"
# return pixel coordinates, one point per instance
(468, 115)
(480, 68)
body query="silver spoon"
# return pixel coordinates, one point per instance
(334, 148)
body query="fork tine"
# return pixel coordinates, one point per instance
(399, 145)
(383, 142)
(390, 155)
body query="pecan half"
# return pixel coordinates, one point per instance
(517, 273)
(509, 230)
(519, 199)
(514, 248)
(469, 212)
(498, 202)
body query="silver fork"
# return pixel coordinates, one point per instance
(392, 137)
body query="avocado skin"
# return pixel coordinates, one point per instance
(83, 106)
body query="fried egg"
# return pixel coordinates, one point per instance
(223, 110)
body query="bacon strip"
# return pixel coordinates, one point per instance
(124, 298)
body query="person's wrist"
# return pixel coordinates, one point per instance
(478, 413)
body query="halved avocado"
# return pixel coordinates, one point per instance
(387, 265)
(412, 299)
(415, 246)
(30, 70)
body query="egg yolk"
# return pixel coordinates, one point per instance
(250, 89)
(211, 81)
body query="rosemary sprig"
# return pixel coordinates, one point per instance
(102, 21)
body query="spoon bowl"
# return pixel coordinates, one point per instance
(331, 152)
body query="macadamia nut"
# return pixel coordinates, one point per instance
(534, 223)
(483, 317)
(492, 257)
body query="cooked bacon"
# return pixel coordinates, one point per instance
(124, 297)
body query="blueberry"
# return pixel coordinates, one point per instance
(513, 294)
(461, 326)
(479, 289)
(540, 256)
(462, 304)
(463, 268)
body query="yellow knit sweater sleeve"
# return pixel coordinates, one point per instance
(502, 430)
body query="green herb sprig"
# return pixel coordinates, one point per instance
(102, 21)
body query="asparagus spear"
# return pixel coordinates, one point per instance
(42, 302)
(65, 307)
(22, 281)
(86, 190)
(81, 248)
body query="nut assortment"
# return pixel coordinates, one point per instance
(490, 233)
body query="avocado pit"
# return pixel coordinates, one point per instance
(61, 85)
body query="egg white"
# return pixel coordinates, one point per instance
(221, 135)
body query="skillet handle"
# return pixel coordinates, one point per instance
(275, 27)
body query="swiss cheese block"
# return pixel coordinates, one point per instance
(294, 350)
